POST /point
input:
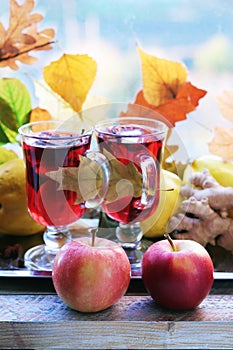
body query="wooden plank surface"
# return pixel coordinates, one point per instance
(117, 335)
(49, 308)
(43, 321)
(32, 316)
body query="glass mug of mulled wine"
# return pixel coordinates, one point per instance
(57, 158)
(133, 147)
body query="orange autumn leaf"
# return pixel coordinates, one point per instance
(39, 114)
(186, 101)
(141, 108)
(221, 143)
(71, 77)
(172, 110)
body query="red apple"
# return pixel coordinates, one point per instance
(177, 273)
(91, 278)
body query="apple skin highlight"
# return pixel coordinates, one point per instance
(177, 279)
(91, 278)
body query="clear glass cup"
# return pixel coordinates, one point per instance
(133, 147)
(56, 192)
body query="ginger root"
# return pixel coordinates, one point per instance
(204, 217)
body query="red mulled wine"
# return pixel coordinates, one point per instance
(130, 143)
(48, 204)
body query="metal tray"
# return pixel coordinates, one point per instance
(12, 249)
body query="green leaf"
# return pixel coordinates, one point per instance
(10, 134)
(15, 107)
(15, 103)
(3, 137)
(6, 114)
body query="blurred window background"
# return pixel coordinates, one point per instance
(198, 33)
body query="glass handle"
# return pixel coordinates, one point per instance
(94, 178)
(149, 180)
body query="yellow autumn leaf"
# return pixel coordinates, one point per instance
(71, 77)
(52, 102)
(162, 78)
(221, 143)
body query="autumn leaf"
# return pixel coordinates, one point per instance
(186, 101)
(52, 102)
(165, 89)
(86, 179)
(141, 108)
(22, 35)
(39, 114)
(176, 167)
(15, 106)
(168, 151)
(162, 78)
(125, 180)
(221, 143)
(93, 109)
(171, 111)
(225, 103)
(71, 77)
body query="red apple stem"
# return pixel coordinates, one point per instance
(93, 235)
(168, 237)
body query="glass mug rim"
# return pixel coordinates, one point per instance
(26, 130)
(158, 126)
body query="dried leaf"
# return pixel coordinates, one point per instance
(168, 151)
(52, 102)
(93, 109)
(38, 114)
(22, 35)
(176, 167)
(186, 101)
(124, 179)
(85, 180)
(172, 111)
(141, 108)
(225, 103)
(221, 144)
(165, 89)
(162, 78)
(71, 77)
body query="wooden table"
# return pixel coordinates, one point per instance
(33, 317)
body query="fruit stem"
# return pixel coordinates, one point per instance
(166, 190)
(168, 237)
(93, 235)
